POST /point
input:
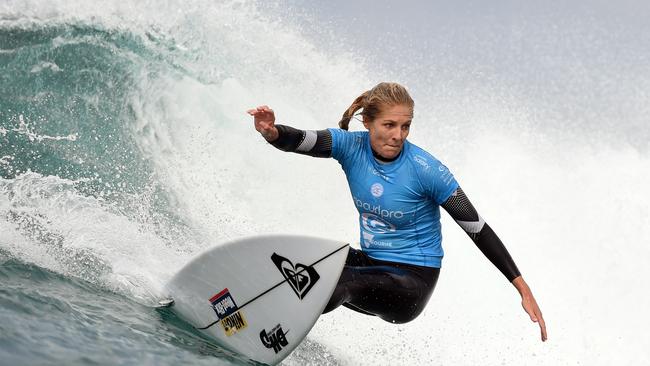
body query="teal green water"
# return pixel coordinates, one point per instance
(64, 106)
(65, 112)
(89, 227)
(48, 318)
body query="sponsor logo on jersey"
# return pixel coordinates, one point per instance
(422, 161)
(300, 277)
(377, 190)
(376, 224)
(445, 174)
(377, 209)
(276, 338)
(377, 173)
(369, 241)
(367, 238)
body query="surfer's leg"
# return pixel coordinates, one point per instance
(341, 295)
(395, 292)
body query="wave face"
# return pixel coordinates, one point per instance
(125, 150)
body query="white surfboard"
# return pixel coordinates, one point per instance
(258, 296)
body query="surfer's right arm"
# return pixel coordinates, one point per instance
(285, 138)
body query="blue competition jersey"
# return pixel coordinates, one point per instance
(398, 202)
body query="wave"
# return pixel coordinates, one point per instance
(121, 135)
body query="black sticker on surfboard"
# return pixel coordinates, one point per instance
(276, 338)
(301, 277)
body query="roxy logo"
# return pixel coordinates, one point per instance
(276, 338)
(377, 190)
(301, 278)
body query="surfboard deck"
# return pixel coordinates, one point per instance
(258, 296)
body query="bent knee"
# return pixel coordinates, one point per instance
(398, 319)
(403, 316)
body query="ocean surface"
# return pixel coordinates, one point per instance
(125, 150)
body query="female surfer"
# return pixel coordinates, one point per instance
(398, 189)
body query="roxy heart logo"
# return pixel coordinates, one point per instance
(301, 278)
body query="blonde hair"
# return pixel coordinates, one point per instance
(372, 101)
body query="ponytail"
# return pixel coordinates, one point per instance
(349, 113)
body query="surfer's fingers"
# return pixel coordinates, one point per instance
(533, 310)
(542, 326)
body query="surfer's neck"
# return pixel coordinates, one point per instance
(382, 159)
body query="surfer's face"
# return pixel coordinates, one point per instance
(389, 129)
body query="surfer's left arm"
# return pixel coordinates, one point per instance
(463, 212)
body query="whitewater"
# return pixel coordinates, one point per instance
(125, 150)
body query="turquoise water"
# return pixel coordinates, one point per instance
(47, 315)
(125, 150)
(65, 113)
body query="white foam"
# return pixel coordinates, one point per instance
(47, 221)
(24, 129)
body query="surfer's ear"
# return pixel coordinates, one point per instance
(366, 121)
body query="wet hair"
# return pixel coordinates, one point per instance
(372, 102)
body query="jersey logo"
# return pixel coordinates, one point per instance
(445, 174)
(422, 161)
(301, 278)
(375, 224)
(377, 190)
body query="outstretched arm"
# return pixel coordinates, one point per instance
(285, 138)
(466, 216)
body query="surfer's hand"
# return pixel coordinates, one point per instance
(530, 305)
(264, 119)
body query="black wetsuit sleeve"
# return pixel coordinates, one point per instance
(312, 143)
(463, 212)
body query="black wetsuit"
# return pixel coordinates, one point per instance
(394, 291)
